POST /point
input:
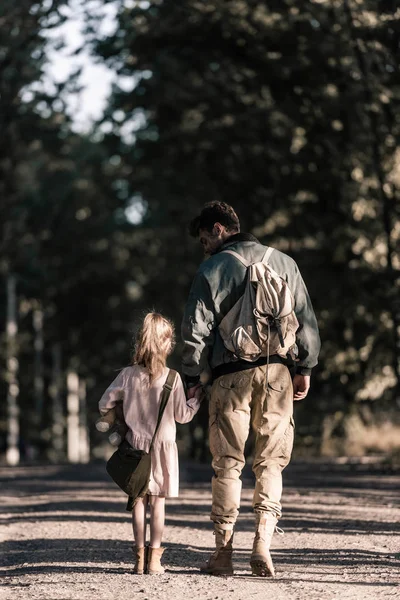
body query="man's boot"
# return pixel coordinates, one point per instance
(220, 562)
(261, 561)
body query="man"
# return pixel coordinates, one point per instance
(259, 394)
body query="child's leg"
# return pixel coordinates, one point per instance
(139, 521)
(157, 519)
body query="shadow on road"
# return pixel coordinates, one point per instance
(46, 556)
(318, 500)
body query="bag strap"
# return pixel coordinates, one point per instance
(244, 262)
(166, 392)
(267, 254)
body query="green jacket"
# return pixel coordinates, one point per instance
(218, 284)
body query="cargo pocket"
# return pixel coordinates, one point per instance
(287, 441)
(237, 381)
(279, 379)
(278, 385)
(212, 413)
(215, 436)
(213, 429)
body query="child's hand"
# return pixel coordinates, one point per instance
(191, 392)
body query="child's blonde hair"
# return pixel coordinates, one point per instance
(154, 342)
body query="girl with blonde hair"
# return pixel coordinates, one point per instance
(140, 386)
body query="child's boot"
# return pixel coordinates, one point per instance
(154, 563)
(140, 560)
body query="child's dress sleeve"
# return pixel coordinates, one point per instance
(113, 393)
(184, 410)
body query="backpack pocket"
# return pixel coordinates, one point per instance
(243, 345)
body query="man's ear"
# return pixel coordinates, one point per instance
(217, 229)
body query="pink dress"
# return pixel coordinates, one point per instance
(141, 402)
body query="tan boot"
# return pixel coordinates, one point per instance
(220, 562)
(140, 560)
(154, 565)
(261, 561)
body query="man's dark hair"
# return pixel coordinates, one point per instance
(215, 212)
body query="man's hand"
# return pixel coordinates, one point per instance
(301, 385)
(200, 393)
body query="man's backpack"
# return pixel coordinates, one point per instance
(262, 322)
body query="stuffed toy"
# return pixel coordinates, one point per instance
(113, 421)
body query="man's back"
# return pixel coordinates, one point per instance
(219, 283)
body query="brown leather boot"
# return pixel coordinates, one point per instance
(140, 560)
(154, 561)
(261, 561)
(220, 562)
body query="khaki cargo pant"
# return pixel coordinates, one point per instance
(237, 401)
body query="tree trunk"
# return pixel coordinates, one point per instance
(84, 447)
(38, 386)
(73, 418)
(57, 413)
(12, 452)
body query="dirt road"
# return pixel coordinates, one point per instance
(66, 535)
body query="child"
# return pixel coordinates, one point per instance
(140, 387)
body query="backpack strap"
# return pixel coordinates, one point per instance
(247, 263)
(267, 254)
(244, 262)
(166, 392)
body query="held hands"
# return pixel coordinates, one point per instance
(195, 392)
(200, 393)
(301, 385)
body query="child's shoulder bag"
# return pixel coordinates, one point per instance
(130, 468)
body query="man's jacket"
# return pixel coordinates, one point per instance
(218, 284)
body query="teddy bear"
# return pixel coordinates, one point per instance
(113, 421)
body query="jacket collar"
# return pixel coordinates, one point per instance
(238, 237)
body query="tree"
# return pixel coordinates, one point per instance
(64, 228)
(287, 112)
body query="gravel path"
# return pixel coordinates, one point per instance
(66, 535)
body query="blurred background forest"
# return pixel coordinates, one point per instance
(288, 110)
